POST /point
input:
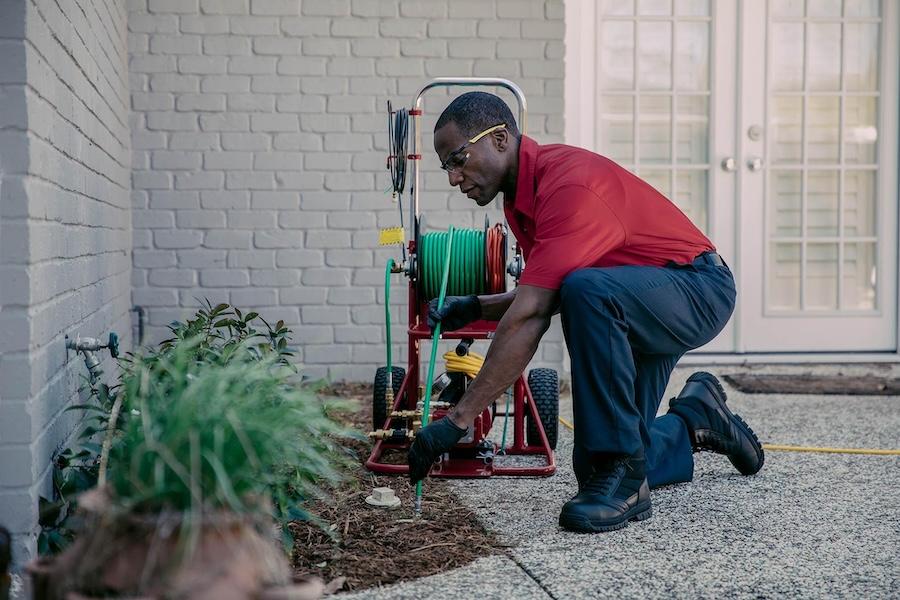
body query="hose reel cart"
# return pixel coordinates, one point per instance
(446, 263)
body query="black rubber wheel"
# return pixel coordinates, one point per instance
(379, 394)
(544, 384)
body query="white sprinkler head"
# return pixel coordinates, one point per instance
(384, 497)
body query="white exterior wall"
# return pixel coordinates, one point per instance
(65, 227)
(259, 136)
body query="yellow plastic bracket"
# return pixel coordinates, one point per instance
(391, 235)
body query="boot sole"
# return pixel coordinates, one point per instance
(580, 524)
(703, 376)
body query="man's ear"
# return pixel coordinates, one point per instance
(501, 139)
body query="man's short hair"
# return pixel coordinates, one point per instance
(473, 112)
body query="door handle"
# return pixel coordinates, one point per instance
(755, 164)
(729, 164)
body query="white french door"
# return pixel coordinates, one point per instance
(772, 125)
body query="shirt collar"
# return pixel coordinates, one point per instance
(525, 182)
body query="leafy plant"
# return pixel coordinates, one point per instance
(222, 390)
(204, 435)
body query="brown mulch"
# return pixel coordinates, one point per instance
(815, 384)
(375, 546)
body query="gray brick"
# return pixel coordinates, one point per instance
(294, 219)
(424, 48)
(403, 28)
(153, 219)
(274, 277)
(245, 141)
(312, 334)
(252, 65)
(275, 200)
(472, 48)
(193, 141)
(447, 28)
(151, 180)
(204, 65)
(354, 334)
(224, 278)
(252, 219)
(327, 354)
(277, 84)
(276, 45)
(324, 315)
(375, 8)
(300, 258)
(200, 219)
(350, 104)
(302, 27)
(251, 102)
(161, 43)
(277, 160)
(202, 24)
(351, 66)
(326, 47)
(275, 7)
(503, 28)
(515, 9)
(152, 64)
(276, 122)
(297, 141)
(327, 161)
(349, 181)
(173, 277)
(244, 25)
(301, 103)
(254, 298)
(227, 160)
(324, 123)
(154, 259)
(166, 200)
(340, 257)
(543, 30)
(175, 160)
(350, 296)
(222, 199)
(417, 8)
(249, 181)
(173, 6)
(225, 7)
(176, 239)
(200, 102)
(542, 68)
(377, 47)
(172, 82)
(355, 28)
(277, 239)
(301, 65)
(226, 44)
(225, 83)
(336, 8)
(144, 23)
(225, 122)
(239, 240)
(148, 101)
(519, 49)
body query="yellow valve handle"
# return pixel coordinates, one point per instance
(390, 236)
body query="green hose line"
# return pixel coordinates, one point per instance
(387, 317)
(467, 262)
(448, 240)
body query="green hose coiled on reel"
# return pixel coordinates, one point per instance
(467, 262)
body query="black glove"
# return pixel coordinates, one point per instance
(431, 441)
(457, 312)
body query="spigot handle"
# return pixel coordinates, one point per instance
(113, 344)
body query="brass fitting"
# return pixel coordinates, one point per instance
(397, 434)
(406, 414)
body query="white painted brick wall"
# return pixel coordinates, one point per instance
(65, 227)
(260, 138)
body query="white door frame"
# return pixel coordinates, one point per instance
(581, 89)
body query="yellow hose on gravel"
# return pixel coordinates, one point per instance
(783, 448)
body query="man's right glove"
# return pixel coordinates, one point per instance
(457, 312)
(430, 442)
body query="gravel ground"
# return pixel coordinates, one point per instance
(806, 526)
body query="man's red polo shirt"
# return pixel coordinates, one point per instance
(575, 209)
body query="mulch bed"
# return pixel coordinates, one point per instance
(815, 384)
(375, 546)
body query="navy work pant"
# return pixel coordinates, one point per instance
(626, 327)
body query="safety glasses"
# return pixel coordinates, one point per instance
(457, 159)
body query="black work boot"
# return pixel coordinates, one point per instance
(711, 426)
(615, 493)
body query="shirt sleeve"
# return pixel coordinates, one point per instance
(574, 228)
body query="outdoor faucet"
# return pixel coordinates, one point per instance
(88, 346)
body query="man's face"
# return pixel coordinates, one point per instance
(482, 174)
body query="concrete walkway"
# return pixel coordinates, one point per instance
(806, 526)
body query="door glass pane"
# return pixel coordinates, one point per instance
(617, 55)
(784, 276)
(787, 8)
(858, 285)
(693, 8)
(655, 55)
(824, 56)
(787, 129)
(787, 208)
(617, 128)
(658, 179)
(655, 137)
(618, 7)
(690, 195)
(823, 124)
(821, 276)
(787, 45)
(860, 129)
(692, 129)
(861, 56)
(861, 8)
(859, 203)
(655, 7)
(692, 60)
(821, 203)
(823, 8)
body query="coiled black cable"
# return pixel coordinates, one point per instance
(398, 135)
